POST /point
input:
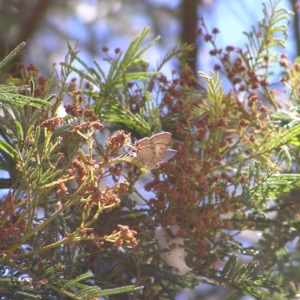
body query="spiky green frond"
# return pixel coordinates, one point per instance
(269, 144)
(12, 54)
(120, 72)
(267, 34)
(21, 95)
(174, 52)
(215, 98)
(10, 94)
(112, 100)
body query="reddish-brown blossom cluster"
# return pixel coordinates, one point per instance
(194, 176)
(89, 86)
(91, 120)
(105, 49)
(116, 142)
(115, 170)
(242, 77)
(223, 122)
(12, 227)
(121, 188)
(73, 84)
(61, 189)
(107, 197)
(263, 109)
(89, 114)
(33, 69)
(41, 83)
(51, 124)
(78, 168)
(80, 112)
(74, 110)
(207, 37)
(86, 126)
(127, 235)
(244, 123)
(252, 99)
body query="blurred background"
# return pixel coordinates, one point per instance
(45, 25)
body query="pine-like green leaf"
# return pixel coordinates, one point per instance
(6, 148)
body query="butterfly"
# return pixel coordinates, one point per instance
(154, 151)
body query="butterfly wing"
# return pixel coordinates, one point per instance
(154, 151)
(146, 152)
(161, 141)
(170, 153)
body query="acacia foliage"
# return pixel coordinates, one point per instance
(233, 168)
